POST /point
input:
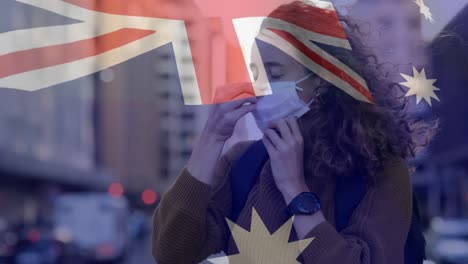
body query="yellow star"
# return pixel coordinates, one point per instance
(420, 86)
(424, 10)
(260, 247)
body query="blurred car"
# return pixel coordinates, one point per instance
(31, 244)
(93, 225)
(42, 251)
(448, 240)
(138, 225)
(8, 241)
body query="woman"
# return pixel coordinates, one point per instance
(335, 136)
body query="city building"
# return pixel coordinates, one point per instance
(145, 132)
(47, 142)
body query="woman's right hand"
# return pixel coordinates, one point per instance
(224, 117)
(218, 129)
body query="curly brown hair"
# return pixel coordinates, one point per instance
(342, 134)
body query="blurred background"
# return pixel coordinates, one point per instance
(84, 163)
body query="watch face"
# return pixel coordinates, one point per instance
(308, 203)
(305, 203)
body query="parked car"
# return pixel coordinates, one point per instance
(448, 240)
(8, 240)
(138, 225)
(94, 225)
(32, 244)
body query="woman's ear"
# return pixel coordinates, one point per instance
(321, 88)
(313, 87)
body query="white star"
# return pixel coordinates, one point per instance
(260, 246)
(424, 10)
(420, 86)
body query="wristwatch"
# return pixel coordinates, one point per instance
(306, 203)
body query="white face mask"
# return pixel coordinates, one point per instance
(283, 103)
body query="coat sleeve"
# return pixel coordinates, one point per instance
(377, 229)
(189, 222)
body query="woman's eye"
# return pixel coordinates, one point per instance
(275, 72)
(276, 77)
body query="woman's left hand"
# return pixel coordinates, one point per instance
(286, 150)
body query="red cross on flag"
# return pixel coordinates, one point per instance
(110, 32)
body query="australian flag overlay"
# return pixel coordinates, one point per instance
(91, 36)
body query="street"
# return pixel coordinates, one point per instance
(140, 252)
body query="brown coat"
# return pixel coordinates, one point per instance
(189, 223)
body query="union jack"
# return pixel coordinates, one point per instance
(111, 35)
